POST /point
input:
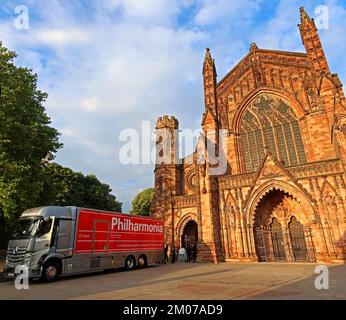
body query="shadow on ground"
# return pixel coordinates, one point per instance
(306, 289)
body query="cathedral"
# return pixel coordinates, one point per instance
(282, 196)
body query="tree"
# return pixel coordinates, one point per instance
(142, 202)
(26, 137)
(64, 187)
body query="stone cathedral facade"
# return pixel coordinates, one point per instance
(283, 195)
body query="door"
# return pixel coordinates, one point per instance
(64, 237)
(262, 235)
(277, 241)
(298, 242)
(100, 245)
(44, 234)
(100, 239)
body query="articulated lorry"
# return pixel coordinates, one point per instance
(57, 241)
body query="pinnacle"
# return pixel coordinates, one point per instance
(253, 47)
(303, 14)
(208, 54)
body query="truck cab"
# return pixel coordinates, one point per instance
(42, 239)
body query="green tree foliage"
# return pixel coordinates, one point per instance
(26, 137)
(64, 187)
(142, 202)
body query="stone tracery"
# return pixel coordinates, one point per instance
(268, 122)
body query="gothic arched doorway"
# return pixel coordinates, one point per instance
(269, 239)
(189, 235)
(276, 237)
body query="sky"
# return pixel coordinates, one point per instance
(108, 65)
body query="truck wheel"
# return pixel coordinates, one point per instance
(142, 261)
(50, 271)
(130, 263)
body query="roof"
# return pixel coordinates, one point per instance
(262, 51)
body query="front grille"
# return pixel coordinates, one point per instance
(17, 256)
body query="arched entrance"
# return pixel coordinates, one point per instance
(279, 235)
(189, 235)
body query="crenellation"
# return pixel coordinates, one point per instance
(167, 122)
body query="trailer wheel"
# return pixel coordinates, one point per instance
(50, 271)
(130, 263)
(142, 261)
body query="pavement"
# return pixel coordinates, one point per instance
(192, 281)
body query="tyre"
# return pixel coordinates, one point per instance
(50, 271)
(130, 263)
(142, 261)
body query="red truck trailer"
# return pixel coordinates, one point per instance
(53, 241)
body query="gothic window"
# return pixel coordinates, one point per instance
(270, 123)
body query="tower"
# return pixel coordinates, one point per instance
(320, 88)
(167, 172)
(209, 242)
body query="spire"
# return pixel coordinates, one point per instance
(209, 62)
(312, 42)
(303, 15)
(210, 82)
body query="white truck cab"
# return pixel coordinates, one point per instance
(41, 241)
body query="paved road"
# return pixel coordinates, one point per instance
(191, 281)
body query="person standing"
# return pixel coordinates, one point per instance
(173, 255)
(165, 250)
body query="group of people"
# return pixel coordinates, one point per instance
(184, 255)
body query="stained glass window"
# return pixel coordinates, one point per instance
(270, 123)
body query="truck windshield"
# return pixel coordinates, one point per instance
(26, 228)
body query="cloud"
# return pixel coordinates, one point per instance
(61, 37)
(216, 11)
(110, 64)
(91, 104)
(157, 10)
(280, 30)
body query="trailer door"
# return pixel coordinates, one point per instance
(100, 238)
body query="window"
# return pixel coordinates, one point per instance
(44, 227)
(270, 123)
(26, 228)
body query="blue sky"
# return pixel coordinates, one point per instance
(107, 65)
